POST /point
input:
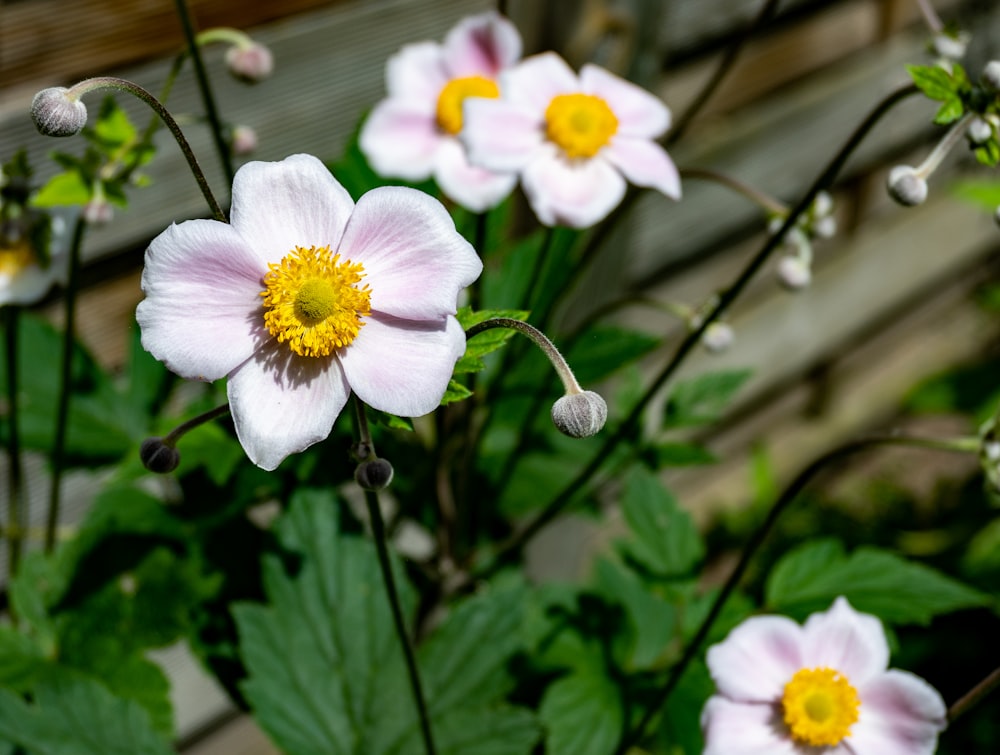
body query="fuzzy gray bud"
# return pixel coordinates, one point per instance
(794, 273)
(906, 187)
(373, 475)
(718, 337)
(991, 75)
(159, 457)
(979, 131)
(580, 415)
(56, 114)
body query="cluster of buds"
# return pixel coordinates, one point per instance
(795, 266)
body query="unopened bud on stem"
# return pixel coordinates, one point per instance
(991, 75)
(906, 187)
(57, 113)
(159, 456)
(580, 415)
(375, 474)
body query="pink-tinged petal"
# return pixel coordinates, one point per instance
(482, 45)
(847, 641)
(500, 135)
(283, 403)
(900, 714)
(296, 202)
(402, 366)
(639, 113)
(732, 728)
(417, 74)
(202, 315)
(474, 188)
(757, 659)
(536, 80)
(644, 163)
(399, 141)
(573, 193)
(415, 261)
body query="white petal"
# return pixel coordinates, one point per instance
(203, 314)
(900, 714)
(574, 193)
(639, 113)
(283, 403)
(295, 202)
(482, 45)
(644, 163)
(847, 641)
(400, 141)
(500, 135)
(414, 259)
(757, 659)
(474, 188)
(27, 286)
(536, 80)
(417, 73)
(733, 728)
(401, 366)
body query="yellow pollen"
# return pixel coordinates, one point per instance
(14, 258)
(820, 706)
(312, 301)
(580, 123)
(454, 93)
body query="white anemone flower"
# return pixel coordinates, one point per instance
(305, 297)
(825, 686)
(413, 133)
(25, 278)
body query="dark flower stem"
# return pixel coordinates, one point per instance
(15, 476)
(382, 549)
(58, 457)
(960, 445)
(974, 696)
(204, 86)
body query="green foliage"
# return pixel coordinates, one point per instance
(582, 713)
(702, 400)
(601, 351)
(983, 192)
(950, 88)
(326, 672)
(874, 581)
(487, 341)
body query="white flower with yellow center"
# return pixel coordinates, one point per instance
(574, 140)
(24, 279)
(305, 297)
(413, 133)
(823, 687)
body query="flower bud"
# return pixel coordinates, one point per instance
(950, 46)
(979, 131)
(794, 273)
(580, 415)
(718, 337)
(98, 211)
(56, 114)
(250, 63)
(906, 187)
(822, 204)
(991, 75)
(373, 475)
(825, 228)
(159, 457)
(244, 140)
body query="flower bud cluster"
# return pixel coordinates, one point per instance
(818, 222)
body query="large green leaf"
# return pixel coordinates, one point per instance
(326, 673)
(702, 400)
(582, 713)
(602, 350)
(875, 581)
(72, 715)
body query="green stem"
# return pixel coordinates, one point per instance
(514, 543)
(15, 480)
(184, 13)
(960, 445)
(65, 385)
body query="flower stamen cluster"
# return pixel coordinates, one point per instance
(820, 706)
(581, 124)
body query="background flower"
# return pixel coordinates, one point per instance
(413, 134)
(573, 139)
(306, 297)
(785, 689)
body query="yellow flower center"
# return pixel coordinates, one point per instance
(454, 93)
(14, 258)
(312, 302)
(820, 706)
(580, 123)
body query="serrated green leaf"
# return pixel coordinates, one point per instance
(487, 341)
(326, 672)
(652, 620)
(602, 350)
(679, 723)
(874, 581)
(63, 189)
(113, 127)
(22, 660)
(390, 420)
(582, 713)
(951, 110)
(664, 537)
(989, 153)
(72, 715)
(934, 82)
(703, 399)
(455, 392)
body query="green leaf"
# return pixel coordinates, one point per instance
(68, 188)
(455, 392)
(989, 153)
(679, 454)
(76, 716)
(326, 672)
(702, 400)
(113, 127)
(601, 351)
(21, 659)
(874, 581)
(390, 420)
(582, 713)
(950, 111)
(652, 620)
(487, 341)
(679, 723)
(665, 539)
(934, 82)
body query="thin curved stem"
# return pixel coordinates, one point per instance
(962, 445)
(175, 435)
(205, 87)
(726, 298)
(974, 696)
(15, 476)
(765, 201)
(58, 456)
